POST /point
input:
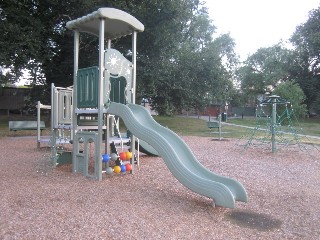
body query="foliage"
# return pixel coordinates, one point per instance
(264, 70)
(238, 98)
(179, 62)
(306, 40)
(292, 92)
(6, 78)
(174, 31)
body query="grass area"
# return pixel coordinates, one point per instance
(308, 126)
(197, 127)
(4, 125)
(184, 126)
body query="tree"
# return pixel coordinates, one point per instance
(178, 61)
(306, 40)
(35, 38)
(292, 92)
(264, 70)
(6, 78)
(20, 33)
(161, 47)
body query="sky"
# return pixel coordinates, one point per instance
(258, 23)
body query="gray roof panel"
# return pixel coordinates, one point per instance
(118, 23)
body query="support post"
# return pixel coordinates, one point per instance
(101, 91)
(74, 100)
(273, 124)
(108, 130)
(38, 124)
(219, 119)
(134, 70)
(133, 89)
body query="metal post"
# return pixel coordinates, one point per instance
(53, 131)
(38, 124)
(133, 89)
(74, 97)
(134, 70)
(273, 124)
(100, 96)
(107, 132)
(219, 119)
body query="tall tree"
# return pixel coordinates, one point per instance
(166, 25)
(264, 70)
(35, 37)
(177, 59)
(21, 32)
(306, 40)
(188, 64)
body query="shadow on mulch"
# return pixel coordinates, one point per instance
(261, 222)
(222, 139)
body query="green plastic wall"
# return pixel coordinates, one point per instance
(87, 87)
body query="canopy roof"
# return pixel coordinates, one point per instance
(118, 23)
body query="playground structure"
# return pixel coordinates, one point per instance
(274, 126)
(61, 128)
(105, 93)
(61, 122)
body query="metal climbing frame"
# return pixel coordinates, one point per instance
(272, 128)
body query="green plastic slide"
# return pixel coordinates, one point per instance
(179, 158)
(146, 148)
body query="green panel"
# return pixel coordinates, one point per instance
(87, 87)
(117, 91)
(64, 158)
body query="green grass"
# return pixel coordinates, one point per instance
(185, 126)
(197, 127)
(4, 125)
(308, 126)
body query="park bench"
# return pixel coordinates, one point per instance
(215, 124)
(25, 125)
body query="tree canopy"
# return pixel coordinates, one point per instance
(265, 69)
(181, 63)
(306, 40)
(178, 60)
(292, 92)
(270, 67)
